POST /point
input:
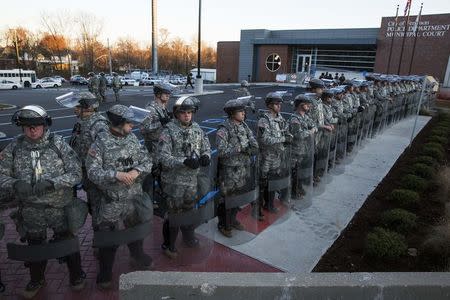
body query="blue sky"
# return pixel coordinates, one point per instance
(221, 20)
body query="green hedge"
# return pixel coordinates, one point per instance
(413, 183)
(439, 132)
(438, 139)
(434, 145)
(433, 152)
(385, 244)
(427, 160)
(399, 220)
(423, 170)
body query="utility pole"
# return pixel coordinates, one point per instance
(154, 39)
(109, 59)
(198, 79)
(17, 54)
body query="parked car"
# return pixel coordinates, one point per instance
(78, 80)
(46, 83)
(59, 78)
(9, 85)
(128, 81)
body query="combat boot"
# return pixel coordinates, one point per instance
(226, 232)
(257, 212)
(32, 288)
(78, 284)
(139, 258)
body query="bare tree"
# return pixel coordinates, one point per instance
(90, 28)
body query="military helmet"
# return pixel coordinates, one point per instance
(31, 115)
(244, 83)
(162, 88)
(91, 74)
(273, 97)
(327, 93)
(234, 105)
(102, 74)
(316, 83)
(186, 103)
(119, 114)
(80, 99)
(302, 98)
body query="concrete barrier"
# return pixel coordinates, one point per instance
(185, 285)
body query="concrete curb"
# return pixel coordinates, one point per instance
(188, 285)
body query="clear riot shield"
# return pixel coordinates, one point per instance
(341, 148)
(277, 196)
(239, 200)
(302, 173)
(322, 156)
(333, 150)
(372, 115)
(361, 127)
(188, 224)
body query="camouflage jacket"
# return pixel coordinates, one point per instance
(153, 124)
(176, 143)
(272, 131)
(58, 163)
(102, 82)
(93, 83)
(85, 132)
(110, 154)
(231, 140)
(329, 119)
(316, 112)
(299, 127)
(116, 84)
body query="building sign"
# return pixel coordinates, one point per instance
(424, 29)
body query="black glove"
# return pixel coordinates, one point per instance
(360, 108)
(349, 119)
(43, 187)
(204, 160)
(288, 138)
(22, 189)
(192, 163)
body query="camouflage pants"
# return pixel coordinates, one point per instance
(37, 220)
(102, 94)
(116, 94)
(270, 164)
(233, 178)
(179, 197)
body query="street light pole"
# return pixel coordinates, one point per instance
(109, 59)
(198, 79)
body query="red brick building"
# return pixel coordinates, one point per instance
(262, 54)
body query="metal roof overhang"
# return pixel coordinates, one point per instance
(316, 41)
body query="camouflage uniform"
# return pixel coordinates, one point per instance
(111, 154)
(57, 163)
(102, 83)
(235, 144)
(108, 155)
(272, 134)
(83, 136)
(153, 125)
(179, 182)
(300, 127)
(93, 85)
(116, 86)
(177, 144)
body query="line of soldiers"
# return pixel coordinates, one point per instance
(97, 85)
(120, 175)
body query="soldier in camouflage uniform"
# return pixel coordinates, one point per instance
(116, 86)
(243, 90)
(236, 145)
(40, 169)
(102, 83)
(153, 125)
(117, 163)
(302, 128)
(183, 148)
(84, 133)
(272, 135)
(93, 84)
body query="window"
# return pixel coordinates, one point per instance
(273, 62)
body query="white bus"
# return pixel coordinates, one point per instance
(25, 77)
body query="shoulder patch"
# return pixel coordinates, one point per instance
(92, 152)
